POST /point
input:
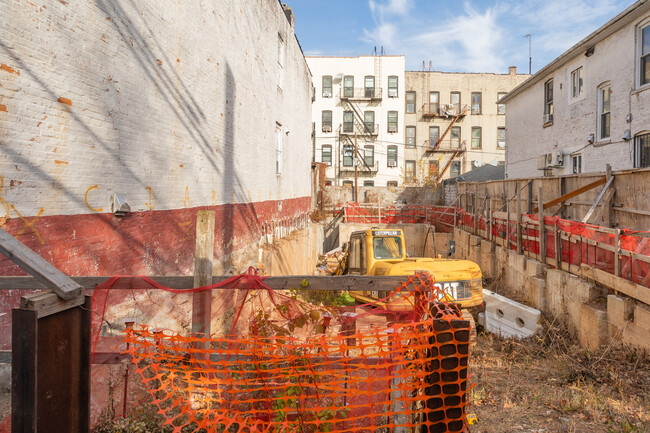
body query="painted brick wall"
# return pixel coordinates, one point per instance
(575, 119)
(174, 106)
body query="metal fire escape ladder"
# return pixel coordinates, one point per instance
(444, 170)
(451, 125)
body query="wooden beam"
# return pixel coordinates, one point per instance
(573, 193)
(47, 303)
(636, 291)
(344, 282)
(37, 266)
(203, 256)
(600, 197)
(542, 227)
(606, 200)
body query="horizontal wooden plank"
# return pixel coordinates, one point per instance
(636, 291)
(345, 282)
(48, 303)
(42, 270)
(110, 357)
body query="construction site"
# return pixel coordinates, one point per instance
(175, 258)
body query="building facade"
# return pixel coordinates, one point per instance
(589, 107)
(359, 104)
(453, 124)
(175, 109)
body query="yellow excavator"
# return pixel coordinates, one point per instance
(383, 252)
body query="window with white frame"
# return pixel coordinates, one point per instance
(476, 137)
(369, 156)
(434, 103)
(604, 105)
(644, 54)
(392, 86)
(576, 82)
(327, 120)
(391, 156)
(327, 86)
(642, 150)
(576, 161)
(327, 154)
(392, 121)
(410, 136)
(548, 101)
(501, 138)
(501, 108)
(369, 86)
(348, 86)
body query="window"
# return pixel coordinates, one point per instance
(328, 182)
(577, 163)
(327, 154)
(410, 136)
(548, 101)
(369, 121)
(368, 183)
(501, 108)
(455, 137)
(644, 55)
(348, 121)
(348, 183)
(392, 86)
(409, 171)
(327, 120)
(455, 101)
(576, 83)
(434, 134)
(369, 156)
(348, 156)
(454, 169)
(391, 183)
(433, 168)
(501, 138)
(604, 95)
(642, 150)
(476, 137)
(476, 103)
(327, 86)
(410, 102)
(278, 148)
(369, 86)
(348, 86)
(434, 102)
(392, 121)
(392, 156)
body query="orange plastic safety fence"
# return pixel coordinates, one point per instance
(398, 376)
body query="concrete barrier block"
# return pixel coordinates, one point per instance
(619, 310)
(593, 331)
(535, 288)
(579, 290)
(555, 284)
(508, 318)
(642, 319)
(534, 268)
(515, 271)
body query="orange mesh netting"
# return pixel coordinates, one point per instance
(298, 367)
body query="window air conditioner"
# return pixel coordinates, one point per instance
(557, 159)
(327, 128)
(392, 128)
(327, 94)
(392, 163)
(548, 118)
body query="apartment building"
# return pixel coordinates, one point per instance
(587, 108)
(453, 124)
(358, 114)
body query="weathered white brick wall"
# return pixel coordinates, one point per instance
(575, 120)
(171, 104)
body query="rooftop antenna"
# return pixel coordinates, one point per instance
(530, 52)
(374, 53)
(430, 66)
(382, 50)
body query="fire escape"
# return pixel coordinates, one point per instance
(452, 113)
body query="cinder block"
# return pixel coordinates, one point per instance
(593, 330)
(619, 310)
(535, 288)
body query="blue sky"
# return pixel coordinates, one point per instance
(464, 36)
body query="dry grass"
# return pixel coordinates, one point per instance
(550, 384)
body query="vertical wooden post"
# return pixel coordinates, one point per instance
(475, 211)
(542, 228)
(609, 211)
(203, 256)
(562, 192)
(617, 249)
(489, 212)
(519, 248)
(507, 225)
(558, 247)
(530, 197)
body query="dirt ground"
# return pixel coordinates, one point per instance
(549, 384)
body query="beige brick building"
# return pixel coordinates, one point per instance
(452, 122)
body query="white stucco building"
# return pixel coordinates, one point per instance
(587, 108)
(360, 97)
(453, 123)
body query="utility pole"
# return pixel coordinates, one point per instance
(530, 52)
(356, 169)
